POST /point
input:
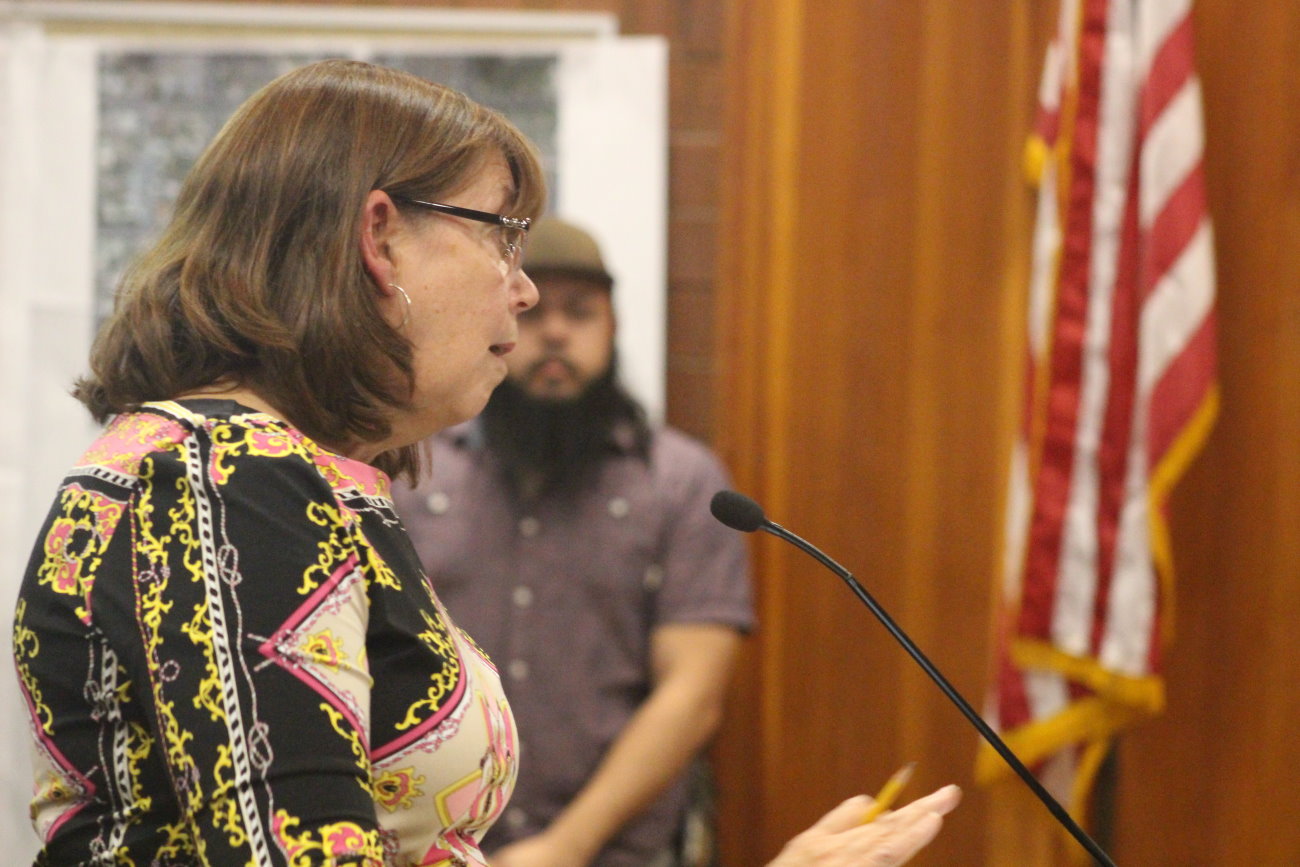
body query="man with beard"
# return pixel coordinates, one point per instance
(573, 540)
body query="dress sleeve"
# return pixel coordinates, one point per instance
(252, 608)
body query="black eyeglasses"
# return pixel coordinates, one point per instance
(514, 230)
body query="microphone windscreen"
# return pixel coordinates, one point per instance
(737, 511)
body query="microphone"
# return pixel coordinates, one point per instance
(741, 513)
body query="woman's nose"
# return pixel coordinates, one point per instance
(525, 290)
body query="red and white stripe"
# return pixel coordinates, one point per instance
(1120, 384)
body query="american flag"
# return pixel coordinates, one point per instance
(1120, 388)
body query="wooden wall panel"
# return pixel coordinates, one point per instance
(870, 297)
(1212, 781)
(869, 373)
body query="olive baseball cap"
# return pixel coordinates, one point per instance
(557, 247)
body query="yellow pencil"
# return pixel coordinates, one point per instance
(889, 792)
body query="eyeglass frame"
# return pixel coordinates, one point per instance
(514, 252)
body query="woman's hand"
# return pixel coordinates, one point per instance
(839, 839)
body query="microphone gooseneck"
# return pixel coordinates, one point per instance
(740, 512)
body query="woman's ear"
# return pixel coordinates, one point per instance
(379, 226)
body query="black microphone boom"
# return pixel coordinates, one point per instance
(741, 513)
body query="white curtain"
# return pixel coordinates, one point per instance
(46, 250)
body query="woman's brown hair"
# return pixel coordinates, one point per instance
(258, 278)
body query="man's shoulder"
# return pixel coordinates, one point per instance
(449, 459)
(669, 444)
(683, 465)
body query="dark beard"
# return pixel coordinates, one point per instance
(560, 443)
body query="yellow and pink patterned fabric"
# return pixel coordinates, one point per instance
(230, 656)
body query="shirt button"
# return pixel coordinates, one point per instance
(653, 578)
(517, 669)
(529, 527)
(523, 597)
(515, 818)
(438, 503)
(618, 507)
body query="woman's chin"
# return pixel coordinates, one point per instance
(467, 408)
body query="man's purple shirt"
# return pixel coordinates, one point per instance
(564, 593)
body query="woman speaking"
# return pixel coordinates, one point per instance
(229, 653)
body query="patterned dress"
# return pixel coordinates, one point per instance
(231, 657)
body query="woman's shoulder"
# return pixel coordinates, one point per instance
(240, 435)
(129, 439)
(228, 443)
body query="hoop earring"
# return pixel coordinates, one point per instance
(407, 317)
